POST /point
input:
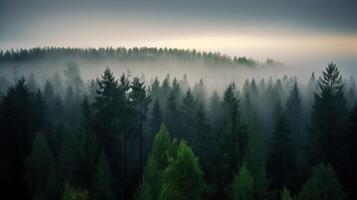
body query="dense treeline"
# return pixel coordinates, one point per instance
(125, 54)
(122, 138)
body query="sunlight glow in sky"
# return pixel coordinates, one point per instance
(288, 30)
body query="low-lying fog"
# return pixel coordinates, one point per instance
(216, 74)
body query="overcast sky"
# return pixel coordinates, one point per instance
(288, 30)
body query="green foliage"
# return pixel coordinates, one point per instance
(71, 193)
(322, 184)
(327, 131)
(68, 155)
(285, 194)
(188, 106)
(173, 114)
(242, 187)
(150, 186)
(255, 163)
(40, 166)
(156, 118)
(163, 148)
(280, 152)
(102, 182)
(183, 177)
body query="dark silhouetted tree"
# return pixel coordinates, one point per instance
(322, 184)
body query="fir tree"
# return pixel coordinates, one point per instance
(242, 187)
(280, 152)
(183, 177)
(285, 194)
(40, 166)
(156, 118)
(328, 130)
(322, 184)
(102, 182)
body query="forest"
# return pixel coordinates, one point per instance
(63, 137)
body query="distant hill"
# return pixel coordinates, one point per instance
(126, 54)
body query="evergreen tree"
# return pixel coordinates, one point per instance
(183, 177)
(173, 112)
(230, 144)
(31, 82)
(202, 140)
(71, 193)
(102, 182)
(156, 118)
(200, 92)
(280, 152)
(40, 166)
(328, 129)
(351, 181)
(285, 194)
(242, 187)
(17, 126)
(163, 150)
(322, 184)
(256, 163)
(150, 186)
(140, 101)
(67, 158)
(295, 121)
(188, 107)
(107, 110)
(155, 89)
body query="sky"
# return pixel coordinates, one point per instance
(292, 31)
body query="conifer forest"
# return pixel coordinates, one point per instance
(120, 136)
(178, 100)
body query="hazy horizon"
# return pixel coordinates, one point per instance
(296, 33)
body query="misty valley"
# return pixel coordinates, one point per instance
(173, 124)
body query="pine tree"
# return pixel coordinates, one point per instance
(256, 162)
(71, 193)
(140, 101)
(17, 126)
(183, 177)
(150, 186)
(40, 166)
(285, 194)
(31, 82)
(188, 106)
(107, 110)
(295, 121)
(67, 158)
(322, 184)
(163, 150)
(155, 89)
(328, 130)
(242, 187)
(85, 166)
(173, 113)
(230, 145)
(156, 118)
(202, 141)
(351, 181)
(102, 182)
(280, 152)
(200, 92)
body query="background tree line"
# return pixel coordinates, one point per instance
(124, 54)
(122, 138)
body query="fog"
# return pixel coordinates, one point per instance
(216, 74)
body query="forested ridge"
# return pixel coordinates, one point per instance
(125, 54)
(124, 138)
